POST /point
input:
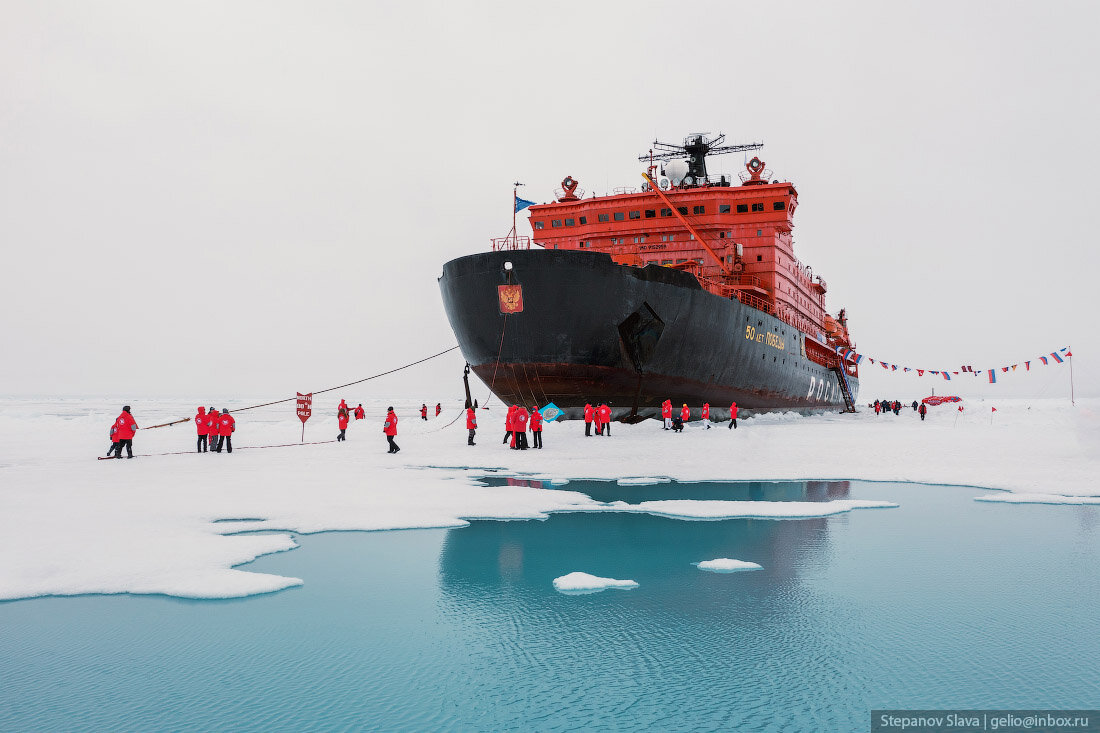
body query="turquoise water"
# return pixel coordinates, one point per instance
(942, 602)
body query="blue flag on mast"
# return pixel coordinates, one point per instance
(522, 204)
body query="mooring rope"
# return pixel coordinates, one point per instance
(322, 391)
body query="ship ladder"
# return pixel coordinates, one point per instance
(849, 403)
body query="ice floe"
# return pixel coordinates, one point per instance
(642, 481)
(1012, 498)
(70, 524)
(726, 565)
(578, 583)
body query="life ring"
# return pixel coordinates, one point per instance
(738, 266)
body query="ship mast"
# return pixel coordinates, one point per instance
(696, 148)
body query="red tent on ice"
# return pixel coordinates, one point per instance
(940, 399)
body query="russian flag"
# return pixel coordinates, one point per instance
(1043, 359)
(946, 376)
(1027, 366)
(859, 358)
(992, 376)
(1056, 357)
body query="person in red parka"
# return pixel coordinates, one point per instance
(390, 429)
(604, 413)
(114, 439)
(597, 421)
(706, 414)
(226, 427)
(471, 424)
(508, 425)
(733, 415)
(202, 428)
(536, 426)
(589, 414)
(923, 410)
(438, 408)
(212, 428)
(519, 427)
(666, 413)
(685, 413)
(125, 427)
(424, 411)
(360, 413)
(342, 421)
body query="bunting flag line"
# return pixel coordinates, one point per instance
(851, 355)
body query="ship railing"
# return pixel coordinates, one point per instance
(501, 244)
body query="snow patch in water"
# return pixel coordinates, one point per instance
(1038, 499)
(578, 583)
(726, 565)
(643, 481)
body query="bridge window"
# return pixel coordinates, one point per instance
(603, 217)
(650, 213)
(779, 205)
(680, 260)
(699, 209)
(635, 215)
(538, 225)
(759, 258)
(619, 216)
(723, 208)
(682, 209)
(742, 208)
(721, 235)
(759, 232)
(555, 223)
(584, 220)
(758, 207)
(568, 222)
(666, 212)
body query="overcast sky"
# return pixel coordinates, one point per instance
(254, 198)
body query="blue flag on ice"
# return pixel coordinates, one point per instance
(551, 412)
(522, 204)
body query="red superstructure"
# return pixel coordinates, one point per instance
(736, 240)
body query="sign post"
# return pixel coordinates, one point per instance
(305, 409)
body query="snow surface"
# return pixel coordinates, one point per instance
(578, 583)
(726, 565)
(70, 524)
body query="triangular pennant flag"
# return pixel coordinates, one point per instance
(1004, 369)
(994, 409)
(1014, 367)
(1069, 353)
(920, 372)
(907, 369)
(1056, 357)
(1027, 366)
(894, 367)
(1044, 360)
(946, 376)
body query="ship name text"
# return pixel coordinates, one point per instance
(765, 337)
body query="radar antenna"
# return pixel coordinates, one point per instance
(696, 148)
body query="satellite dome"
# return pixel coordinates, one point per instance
(676, 170)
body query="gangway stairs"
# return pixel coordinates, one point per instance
(849, 403)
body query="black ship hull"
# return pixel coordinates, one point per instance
(591, 330)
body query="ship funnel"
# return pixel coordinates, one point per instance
(676, 170)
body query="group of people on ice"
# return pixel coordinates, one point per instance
(884, 406)
(215, 430)
(515, 426)
(600, 417)
(344, 415)
(675, 421)
(424, 410)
